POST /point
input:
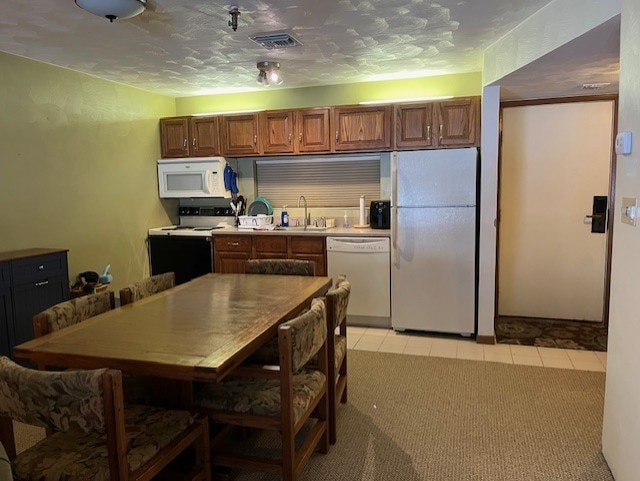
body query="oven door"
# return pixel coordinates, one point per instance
(189, 257)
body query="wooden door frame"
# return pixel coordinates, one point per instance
(611, 194)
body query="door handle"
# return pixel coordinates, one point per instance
(598, 216)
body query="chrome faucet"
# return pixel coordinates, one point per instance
(305, 210)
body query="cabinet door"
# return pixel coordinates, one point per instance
(231, 262)
(204, 136)
(174, 133)
(276, 132)
(31, 298)
(6, 319)
(362, 128)
(240, 135)
(458, 122)
(414, 126)
(310, 249)
(312, 130)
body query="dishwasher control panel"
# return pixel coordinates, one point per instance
(358, 244)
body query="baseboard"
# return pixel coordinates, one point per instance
(485, 339)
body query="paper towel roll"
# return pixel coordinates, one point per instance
(362, 219)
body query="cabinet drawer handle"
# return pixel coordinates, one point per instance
(42, 283)
(234, 244)
(41, 267)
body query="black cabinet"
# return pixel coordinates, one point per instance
(31, 281)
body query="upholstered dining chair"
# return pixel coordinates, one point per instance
(337, 300)
(280, 398)
(95, 435)
(72, 312)
(147, 287)
(5, 465)
(289, 267)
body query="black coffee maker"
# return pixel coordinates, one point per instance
(380, 214)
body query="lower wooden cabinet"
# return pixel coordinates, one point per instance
(232, 251)
(31, 281)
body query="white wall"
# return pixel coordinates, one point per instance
(621, 432)
(488, 209)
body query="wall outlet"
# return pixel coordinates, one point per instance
(623, 143)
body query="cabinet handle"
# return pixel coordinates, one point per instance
(194, 143)
(42, 283)
(41, 267)
(429, 132)
(234, 244)
(300, 137)
(184, 144)
(255, 139)
(337, 138)
(289, 139)
(440, 133)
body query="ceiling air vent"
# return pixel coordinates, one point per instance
(272, 41)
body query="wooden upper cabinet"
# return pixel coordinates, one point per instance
(174, 135)
(189, 136)
(458, 122)
(414, 125)
(276, 131)
(312, 130)
(204, 136)
(362, 128)
(239, 135)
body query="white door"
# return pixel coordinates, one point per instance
(555, 159)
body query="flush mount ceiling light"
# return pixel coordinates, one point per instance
(269, 73)
(113, 9)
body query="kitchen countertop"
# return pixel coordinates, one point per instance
(330, 232)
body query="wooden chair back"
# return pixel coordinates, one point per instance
(147, 287)
(72, 312)
(286, 267)
(92, 402)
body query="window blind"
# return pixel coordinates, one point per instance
(324, 182)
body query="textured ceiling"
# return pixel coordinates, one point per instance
(184, 47)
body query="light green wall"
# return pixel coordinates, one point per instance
(459, 85)
(78, 166)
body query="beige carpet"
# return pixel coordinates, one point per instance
(415, 418)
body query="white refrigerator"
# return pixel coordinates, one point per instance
(433, 271)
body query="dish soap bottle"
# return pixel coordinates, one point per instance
(285, 217)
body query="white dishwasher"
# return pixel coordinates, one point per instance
(366, 263)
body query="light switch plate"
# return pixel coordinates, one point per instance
(623, 143)
(629, 210)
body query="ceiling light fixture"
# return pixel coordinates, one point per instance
(235, 13)
(113, 9)
(269, 73)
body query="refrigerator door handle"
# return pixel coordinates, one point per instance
(394, 238)
(394, 179)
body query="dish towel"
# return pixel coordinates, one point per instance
(230, 179)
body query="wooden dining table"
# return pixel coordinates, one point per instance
(198, 331)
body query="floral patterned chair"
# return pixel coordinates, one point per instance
(277, 398)
(95, 436)
(337, 302)
(147, 287)
(5, 465)
(287, 267)
(72, 312)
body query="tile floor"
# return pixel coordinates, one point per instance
(387, 340)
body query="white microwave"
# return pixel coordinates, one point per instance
(192, 177)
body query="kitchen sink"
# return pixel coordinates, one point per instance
(298, 228)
